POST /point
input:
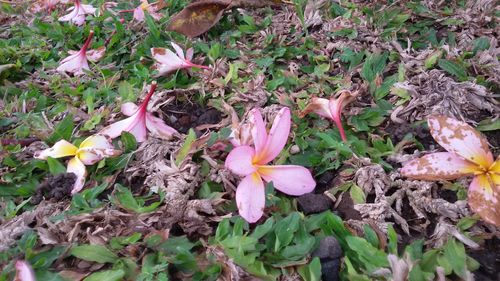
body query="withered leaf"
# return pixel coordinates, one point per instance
(198, 17)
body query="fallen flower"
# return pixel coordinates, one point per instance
(24, 272)
(331, 109)
(77, 61)
(78, 12)
(250, 162)
(140, 121)
(468, 154)
(152, 9)
(166, 61)
(44, 5)
(92, 150)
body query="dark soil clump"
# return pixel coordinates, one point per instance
(55, 187)
(489, 258)
(183, 115)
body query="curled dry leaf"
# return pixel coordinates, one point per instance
(198, 17)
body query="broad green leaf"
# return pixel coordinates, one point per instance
(357, 194)
(55, 167)
(106, 275)
(454, 253)
(129, 142)
(311, 271)
(453, 68)
(95, 253)
(63, 130)
(371, 235)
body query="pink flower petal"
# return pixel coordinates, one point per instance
(129, 108)
(166, 61)
(289, 179)
(24, 272)
(88, 9)
(70, 16)
(74, 64)
(139, 14)
(158, 127)
(115, 130)
(258, 130)
(319, 106)
(277, 138)
(336, 106)
(251, 198)
(96, 54)
(178, 50)
(60, 149)
(189, 54)
(239, 160)
(438, 166)
(484, 199)
(78, 168)
(460, 138)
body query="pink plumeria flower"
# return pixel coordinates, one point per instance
(468, 155)
(45, 5)
(167, 61)
(331, 109)
(78, 13)
(251, 163)
(92, 150)
(140, 121)
(145, 6)
(24, 272)
(78, 60)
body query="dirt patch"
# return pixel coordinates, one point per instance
(183, 115)
(55, 187)
(489, 258)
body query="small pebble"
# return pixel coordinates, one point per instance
(294, 149)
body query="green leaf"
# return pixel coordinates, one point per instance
(129, 142)
(106, 275)
(285, 230)
(488, 125)
(95, 253)
(125, 199)
(371, 235)
(392, 245)
(370, 256)
(357, 194)
(311, 271)
(263, 229)
(55, 167)
(454, 253)
(186, 147)
(126, 91)
(432, 59)
(63, 130)
(153, 29)
(481, 44)
(453, 68)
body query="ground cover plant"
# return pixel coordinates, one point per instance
(249, 140)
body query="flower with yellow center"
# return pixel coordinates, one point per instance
(92, 150)
(468, 155)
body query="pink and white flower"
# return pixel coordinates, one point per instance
(78, 60)
(251, 163)
(167, 61)
(468, 155)
(78, 13)
(139, 16)
(331, 109)
(140, 122)
(44, 5)
(24, 272)
(92, 150)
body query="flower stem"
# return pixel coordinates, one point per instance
(87, 42)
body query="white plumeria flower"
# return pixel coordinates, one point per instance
(140, 121)
(78, 60)
(92, 150)
(167, 61)
(78, 13)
